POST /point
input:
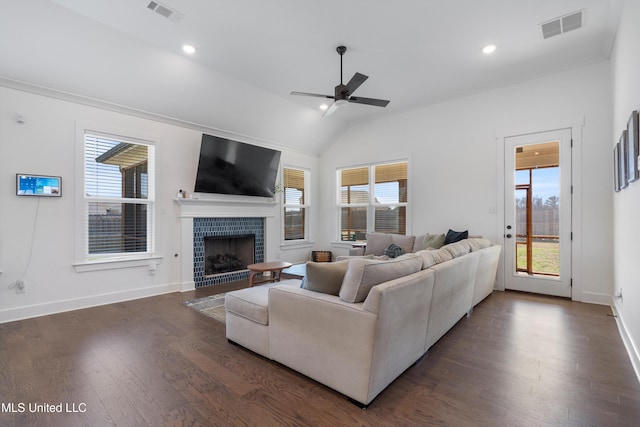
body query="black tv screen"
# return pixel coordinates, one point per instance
(232, 167)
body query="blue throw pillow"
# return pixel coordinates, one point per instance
(393, 251)
(455, 236)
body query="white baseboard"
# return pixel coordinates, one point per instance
(187, 286)
(36, 310)
(594, 298)
(632, 349)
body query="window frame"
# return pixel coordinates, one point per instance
(371, 204)
(85, 261)
(306, 206)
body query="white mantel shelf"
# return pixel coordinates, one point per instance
(225, 208)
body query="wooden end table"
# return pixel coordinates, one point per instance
(275, 268)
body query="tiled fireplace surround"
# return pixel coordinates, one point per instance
(216, 227)
(204, 217)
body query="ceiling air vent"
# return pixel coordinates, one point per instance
(561, 25)
(165, 11)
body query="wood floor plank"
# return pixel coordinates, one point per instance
(519, 359)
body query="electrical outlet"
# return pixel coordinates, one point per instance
(21, 287)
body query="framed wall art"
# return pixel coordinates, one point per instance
(616, 167)
(622, 160)
(632, 150)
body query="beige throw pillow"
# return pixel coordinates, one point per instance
(435, 241)
(325, 277)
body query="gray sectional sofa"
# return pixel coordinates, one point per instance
(356, 325)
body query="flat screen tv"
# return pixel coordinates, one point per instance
(232, 167)
(38, 185)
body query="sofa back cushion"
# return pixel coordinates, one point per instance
(405, 242)
(459, 248)
(325, 277)
(363, 274)
(431, 257)
(478, 243)
(378, 242)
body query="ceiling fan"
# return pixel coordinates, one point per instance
(343, 93)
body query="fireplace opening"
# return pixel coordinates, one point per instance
(224, 254)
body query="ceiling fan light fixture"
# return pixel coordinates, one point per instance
(489, 49)
(187, 48)
(341, 103)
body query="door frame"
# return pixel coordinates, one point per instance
(575, 125)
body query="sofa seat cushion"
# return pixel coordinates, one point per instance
(363, 274)
(253, 303)
(250, 303)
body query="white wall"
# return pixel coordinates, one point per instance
(454, 164)
(625, 64)
(46, 144)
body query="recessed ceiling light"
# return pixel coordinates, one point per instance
(323, 107)
(187, 48)
(489, 48)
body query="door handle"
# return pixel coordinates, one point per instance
(508, 236)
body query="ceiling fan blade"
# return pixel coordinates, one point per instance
(369, 101)
(312, 94)
(329, 111)
(355, 82)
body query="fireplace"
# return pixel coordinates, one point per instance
(225, 254)
(226, 236)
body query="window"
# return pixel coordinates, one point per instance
(373, 198)
(296, 204)
(118, 196)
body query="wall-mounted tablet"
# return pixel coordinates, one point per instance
(38, 185)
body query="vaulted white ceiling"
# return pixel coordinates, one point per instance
(252, 53)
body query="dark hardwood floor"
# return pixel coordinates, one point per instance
(519, 360)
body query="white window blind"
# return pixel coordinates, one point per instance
(295, 203)
(118, 185)
(390, 198)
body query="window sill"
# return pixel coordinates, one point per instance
(117, 263)
(348, 244)
(298, 244)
